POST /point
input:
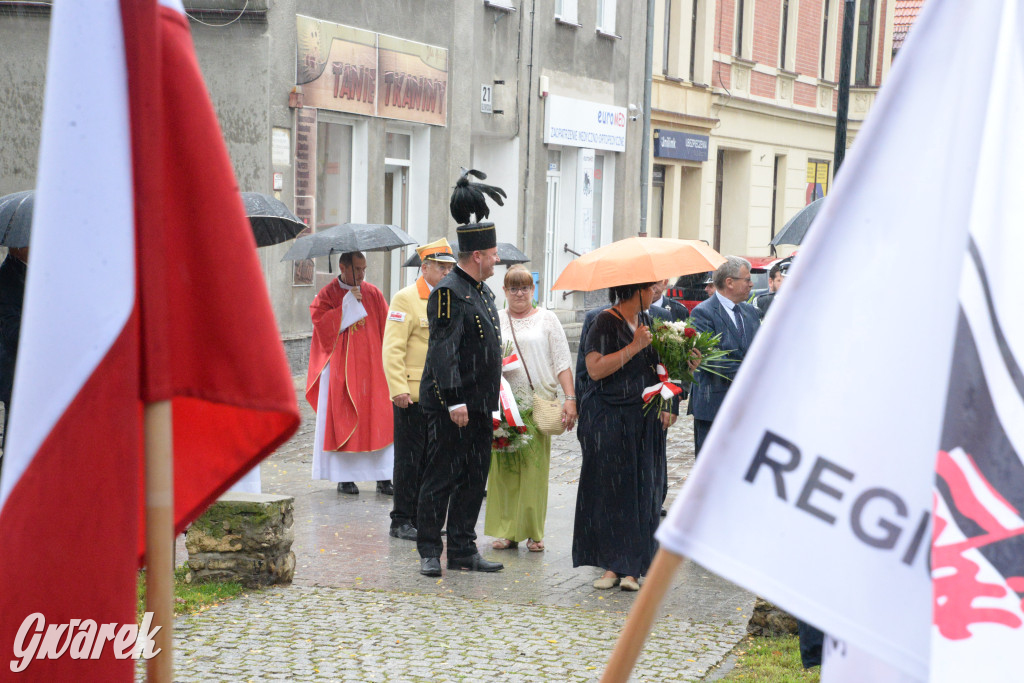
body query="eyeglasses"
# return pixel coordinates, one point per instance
(520, 290)
(742, 279)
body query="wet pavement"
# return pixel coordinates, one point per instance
(359, 609)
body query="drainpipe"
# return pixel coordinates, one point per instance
(527, 213)
(645, 149)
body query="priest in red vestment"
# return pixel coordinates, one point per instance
(346, 384)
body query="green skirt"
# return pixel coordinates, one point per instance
(517, 491)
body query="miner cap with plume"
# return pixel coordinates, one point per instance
(468, 202)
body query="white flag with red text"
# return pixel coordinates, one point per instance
(884, 395)
(143, 285)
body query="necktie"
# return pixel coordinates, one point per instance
(739, 320)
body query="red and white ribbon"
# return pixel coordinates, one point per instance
(664, 388)
(509, 408)
(511, 362)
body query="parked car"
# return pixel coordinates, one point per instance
(689, 289)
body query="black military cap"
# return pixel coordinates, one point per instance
(477, 237)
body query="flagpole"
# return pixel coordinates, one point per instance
(160, 538)
(641, 617)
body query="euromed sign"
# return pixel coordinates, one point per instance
(581, 123)
(672, 144)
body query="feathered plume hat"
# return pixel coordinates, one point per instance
(469, 203)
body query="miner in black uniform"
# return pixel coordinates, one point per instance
(459, 390)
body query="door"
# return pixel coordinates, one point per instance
(396, 207)
(551, 239)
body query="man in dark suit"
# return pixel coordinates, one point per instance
(458, 393)
(764, 302)
(723, 313)
(667, 309)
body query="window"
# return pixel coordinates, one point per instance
(683, 53)
(865, 42)
(741, 11)
(693, 41)
(784, 38)
(744, 31)
(667, 47)
(606, 16)
(824, 37)
(565, 11)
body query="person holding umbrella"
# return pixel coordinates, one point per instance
(618, 504)
(406, 335)
(345, 383)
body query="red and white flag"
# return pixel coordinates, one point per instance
(885, 390)
(143, 285)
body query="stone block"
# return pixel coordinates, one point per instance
(244, 537)
(769, 621)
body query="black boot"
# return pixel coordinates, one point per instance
(384, 486)
(348, 487)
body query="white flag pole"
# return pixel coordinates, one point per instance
(641, 617)
(160, 538)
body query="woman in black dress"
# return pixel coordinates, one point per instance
(620, 493)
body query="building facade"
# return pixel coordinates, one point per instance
(743, 111)
(365, 111)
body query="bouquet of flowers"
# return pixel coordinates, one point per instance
(509, 438)
(510, 420)
(675, 342)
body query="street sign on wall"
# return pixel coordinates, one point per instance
(487, 99)
(674, 144)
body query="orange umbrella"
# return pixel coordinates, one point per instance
(637, 259)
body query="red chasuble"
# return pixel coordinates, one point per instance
(359, 416)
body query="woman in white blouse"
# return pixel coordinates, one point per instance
(517, 487)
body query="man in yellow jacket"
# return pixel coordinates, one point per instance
(405, 349)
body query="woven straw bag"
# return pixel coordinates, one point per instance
(547, 414)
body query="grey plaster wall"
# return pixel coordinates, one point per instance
(23, 43)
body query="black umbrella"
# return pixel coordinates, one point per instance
(795, 229)
(340, 239)
(508, 253)
(16, 219)
(272, 222)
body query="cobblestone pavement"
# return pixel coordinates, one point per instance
(359, 609)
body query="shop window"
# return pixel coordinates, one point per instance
(333, 174)
(817, 179)
(598, 198)
(655, 219)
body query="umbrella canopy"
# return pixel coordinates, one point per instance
(795, 229)
(508, 253)
(272, 222)
(16, 219)
(340, 239)
(637, 259)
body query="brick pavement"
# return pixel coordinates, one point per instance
(357, 591)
